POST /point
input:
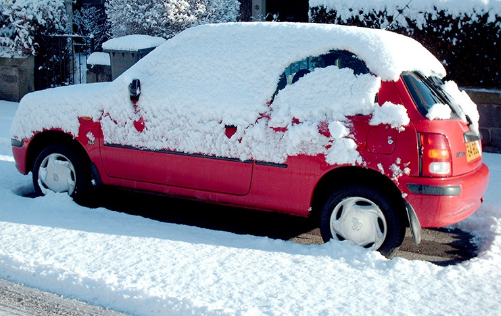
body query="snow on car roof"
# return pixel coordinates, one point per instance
(265, 49)
(225, 74)
(387, 54)
(239, 64)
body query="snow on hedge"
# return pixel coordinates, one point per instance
(166, 18)
(415, 10)
(225, 74)
(22, 20)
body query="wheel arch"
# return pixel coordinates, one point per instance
(353, 175)
(44, 139)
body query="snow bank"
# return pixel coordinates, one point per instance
(144, 267)
(7, 110)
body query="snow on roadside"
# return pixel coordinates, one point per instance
(144, 267)
(7, 111)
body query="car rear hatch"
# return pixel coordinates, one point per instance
(448, 136)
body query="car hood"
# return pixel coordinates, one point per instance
(59, 108)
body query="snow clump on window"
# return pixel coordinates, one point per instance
(439, 111)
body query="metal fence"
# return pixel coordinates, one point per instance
(61, 60)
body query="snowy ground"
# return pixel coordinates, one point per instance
(144, 267)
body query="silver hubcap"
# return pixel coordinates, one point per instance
(56, 174)
(359, 220)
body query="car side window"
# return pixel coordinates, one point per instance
(341, 59)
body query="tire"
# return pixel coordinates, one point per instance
(365, 216)
(58, 168)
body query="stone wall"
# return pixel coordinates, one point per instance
(489, 107)
(16, 78)
(98, 73)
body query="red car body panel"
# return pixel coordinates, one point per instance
(20, 155)
(453, 129)
(439, 211)
(290, 187)
(274, 188)
(170, 168)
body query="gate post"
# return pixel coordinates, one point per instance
(16, 77)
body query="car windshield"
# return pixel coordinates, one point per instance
(426, 91)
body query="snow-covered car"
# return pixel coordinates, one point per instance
(351, 126)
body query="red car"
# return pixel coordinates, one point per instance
(352, 126)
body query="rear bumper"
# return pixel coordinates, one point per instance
(440, 202)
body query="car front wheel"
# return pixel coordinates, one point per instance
(365, 216)
(60, 169)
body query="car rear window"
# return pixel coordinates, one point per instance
(425, 91)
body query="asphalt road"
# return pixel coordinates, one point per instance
(439, 246)
(18, 300)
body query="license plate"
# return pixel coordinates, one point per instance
(472, 151)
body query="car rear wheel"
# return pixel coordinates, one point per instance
(60, 169)
(365, 216)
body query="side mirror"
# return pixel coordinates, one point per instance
(135, 89)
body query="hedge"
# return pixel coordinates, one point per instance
(468, 44)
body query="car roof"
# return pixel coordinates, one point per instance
(240, 64)
(228, 70)
(387, 54)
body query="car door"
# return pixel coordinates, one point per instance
(170, 166)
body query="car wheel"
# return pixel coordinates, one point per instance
(60, 169)
(366, 217)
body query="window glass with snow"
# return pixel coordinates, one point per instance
(340, 59)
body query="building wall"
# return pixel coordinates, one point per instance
(16, 78)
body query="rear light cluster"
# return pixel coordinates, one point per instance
(435, 154)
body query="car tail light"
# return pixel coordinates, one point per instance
(435, 154)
